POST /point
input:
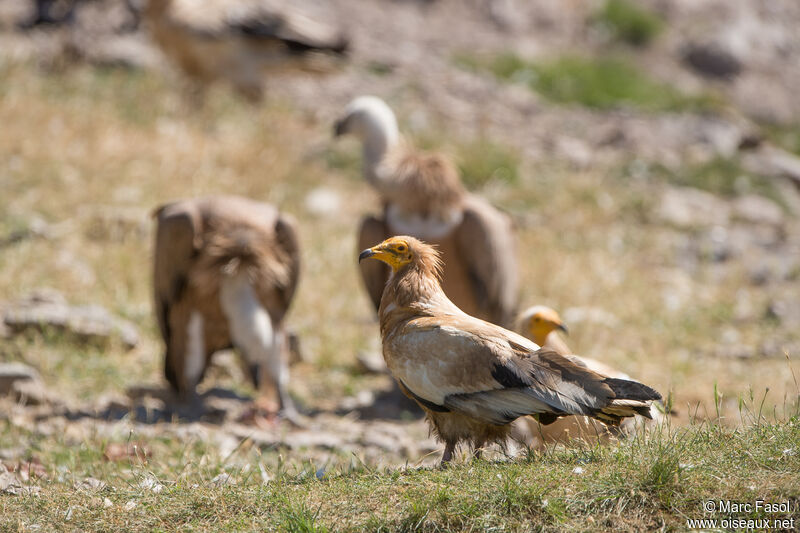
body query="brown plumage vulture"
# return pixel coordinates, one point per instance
(225, 272)
(423, 196)
(238, 40)
(473, 378)
(541, 325)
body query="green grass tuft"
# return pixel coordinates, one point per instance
(722, 176)
(629, 23)
(298, 518)
(482, 161)
(601, 83)
(786, 136)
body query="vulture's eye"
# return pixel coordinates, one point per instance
(401, 247)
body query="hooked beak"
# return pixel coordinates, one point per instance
(563, 328)
(369, 252)
(339, 128)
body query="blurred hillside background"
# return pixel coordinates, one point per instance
(649, 153)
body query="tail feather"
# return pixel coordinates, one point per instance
(625, 389)
(632, 398)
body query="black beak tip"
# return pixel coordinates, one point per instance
(365, 254)
(338, 128)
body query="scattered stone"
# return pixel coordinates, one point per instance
(125, 451)
(89, 323)
(578, 470)
(686, 207)
(10, 454)
(32, 392)
(35, 228)
(371, 362)
(758, 210)
(90, 484)
(259, 437)
(577, 152)
(14, 373)
(364, 398)
(150, 483)
(382, 441)
(787, 311)
(777, 348)
(313, 439)
(25, 470)
(10, 484)
(8, 481)
(323, 202)
(773, 161)
(223, 479)
(759, 275)
(107, 503)
(712, 60)
(130, 505)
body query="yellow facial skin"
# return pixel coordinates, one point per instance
(394, 252)
(542, 324)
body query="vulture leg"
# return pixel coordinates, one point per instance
(196, 356)
(169, 355)
(478, 451)
(374, 273)
(447, 456)
(186, 354)
(258, 342)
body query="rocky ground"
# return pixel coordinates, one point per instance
(730, 252)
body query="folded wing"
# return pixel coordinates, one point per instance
(486, 244)
(496, 376)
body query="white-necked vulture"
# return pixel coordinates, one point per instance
(423, 196)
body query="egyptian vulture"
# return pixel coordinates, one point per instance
(225, 272)
(423, 196)
(473, 378)
(540, 324)
(237, 40)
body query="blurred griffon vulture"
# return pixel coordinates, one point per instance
(226, 269)
(423, 196)
(238, 40)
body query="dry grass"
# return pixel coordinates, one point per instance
(642, 484)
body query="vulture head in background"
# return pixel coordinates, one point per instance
(422, 196)
(538, 322)
(541, 324)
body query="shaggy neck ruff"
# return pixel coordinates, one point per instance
(415, 288)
